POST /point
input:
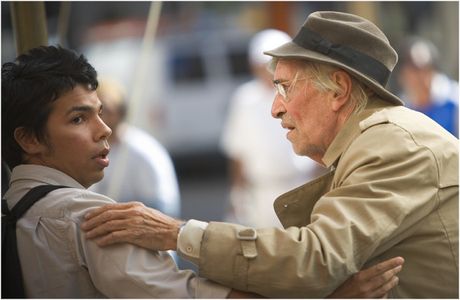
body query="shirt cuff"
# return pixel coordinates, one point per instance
(189, 240)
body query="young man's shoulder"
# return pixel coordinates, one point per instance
(67, 203)
(71, 202)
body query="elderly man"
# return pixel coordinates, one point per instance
(392, 188)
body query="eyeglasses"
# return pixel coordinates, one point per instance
(283, 88)
(280, 88)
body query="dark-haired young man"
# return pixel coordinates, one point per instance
(53, 134)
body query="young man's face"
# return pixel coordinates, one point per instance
(76, 137)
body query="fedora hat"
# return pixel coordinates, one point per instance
(349, 42)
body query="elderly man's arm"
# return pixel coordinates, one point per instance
(145, 227)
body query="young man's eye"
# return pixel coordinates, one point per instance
(77, 120)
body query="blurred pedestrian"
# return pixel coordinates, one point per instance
(261, 160)
(425, 87)
(140, 167)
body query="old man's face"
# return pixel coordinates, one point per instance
(305, 111)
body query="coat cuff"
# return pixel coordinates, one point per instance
(189, 240)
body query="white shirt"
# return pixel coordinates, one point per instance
(58, 262)
(140, 169)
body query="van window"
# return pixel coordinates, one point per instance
(186, 67)
(239, 65)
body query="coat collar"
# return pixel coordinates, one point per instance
(350, 131)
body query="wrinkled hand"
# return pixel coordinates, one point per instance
(132, 223)
(374, 282)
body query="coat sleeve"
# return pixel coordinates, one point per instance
(379, 191)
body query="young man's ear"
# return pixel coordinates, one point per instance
(342, 96)
(27, 140)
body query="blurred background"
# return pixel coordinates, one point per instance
(183, 80)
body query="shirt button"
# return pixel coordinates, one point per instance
(189, 249)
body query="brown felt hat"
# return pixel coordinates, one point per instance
(349, 42)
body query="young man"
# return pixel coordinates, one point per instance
(53, 134)
(392, 186)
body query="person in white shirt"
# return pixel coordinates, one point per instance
(140, 167)
(261, 161)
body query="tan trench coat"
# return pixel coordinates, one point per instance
(393, 191)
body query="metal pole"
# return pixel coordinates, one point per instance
(143, 63)
(29, 25)
(139, 83)
(63, 22)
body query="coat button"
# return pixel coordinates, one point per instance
(285, 205)
(189, 249)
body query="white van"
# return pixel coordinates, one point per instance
(189, 82)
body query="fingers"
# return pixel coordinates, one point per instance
(381, 278)
(115, 206)
(382, 291)
(109, 212)
(103, 218)
(383, 267)
(374, 282)
(387, 276)
(107, 227)
(122, 236)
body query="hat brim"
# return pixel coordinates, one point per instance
(293, 51)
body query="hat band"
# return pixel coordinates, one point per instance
(357, 60)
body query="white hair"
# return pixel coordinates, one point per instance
(320, 73)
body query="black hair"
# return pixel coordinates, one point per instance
(30, 85)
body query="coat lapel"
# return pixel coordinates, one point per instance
(294, 208)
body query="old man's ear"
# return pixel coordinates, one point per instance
(344, 83)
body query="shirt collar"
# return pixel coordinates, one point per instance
(350, 131)
(44, 175)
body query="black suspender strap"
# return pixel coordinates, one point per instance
(12, 282)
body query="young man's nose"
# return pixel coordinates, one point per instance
(104, 130)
